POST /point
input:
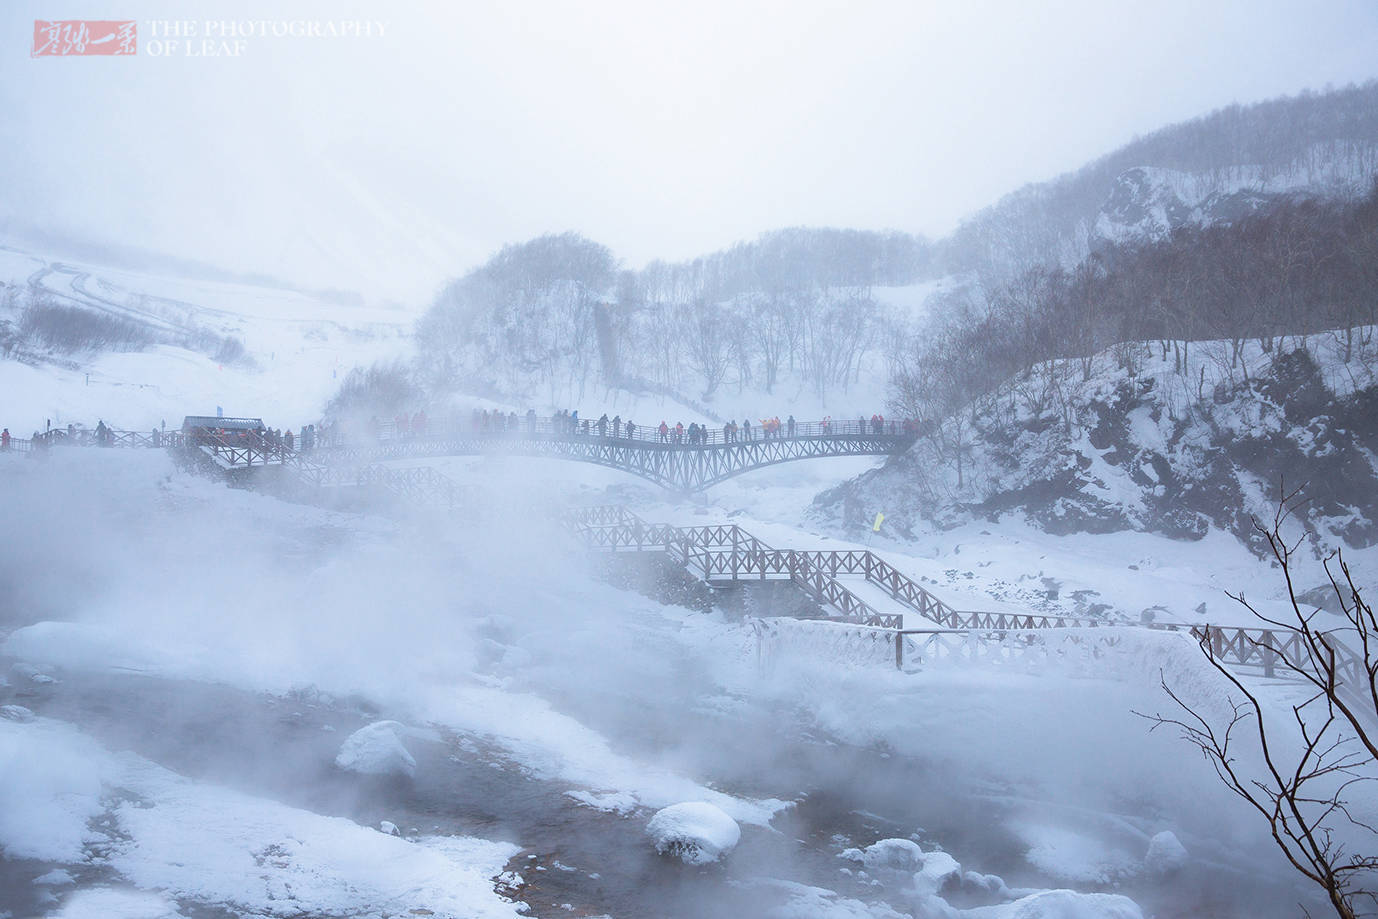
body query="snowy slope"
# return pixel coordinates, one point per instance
(297, 348)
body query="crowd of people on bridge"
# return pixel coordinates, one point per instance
(567, 422)
(417, 424)
(273, 442)
(102, 435)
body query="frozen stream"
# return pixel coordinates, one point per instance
(168, 731)
(574, 859)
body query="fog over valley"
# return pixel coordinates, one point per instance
(889, 461)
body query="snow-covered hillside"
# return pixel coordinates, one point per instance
(295, 347)
(1188, 455)
(1147, 203)
(1219, 166)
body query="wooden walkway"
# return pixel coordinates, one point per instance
(723, 554)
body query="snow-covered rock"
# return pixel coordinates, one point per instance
(376, 750)
(614, 802)
(932, 871)
(16, 713)
(1062, 904)
(900, 854)
(935, 872)
(985, 883)
(695, 831)
(32, 674)
(387, 826)
(1148, 204)
(1165, 853)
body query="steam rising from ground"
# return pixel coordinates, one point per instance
(491, 629)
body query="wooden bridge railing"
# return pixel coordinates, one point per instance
(1276, 652)
(704, 548)
(914, 649)
(727, 552)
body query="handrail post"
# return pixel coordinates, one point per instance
(899, 649)
(736, 538)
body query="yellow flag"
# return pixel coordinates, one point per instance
(875, 528)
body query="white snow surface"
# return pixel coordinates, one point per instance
(1061, 904)
(202, 842)
(112, 903)
(695, 831)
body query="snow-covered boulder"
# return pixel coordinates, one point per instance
(931, 871)
(1064, 904)
(387, 826)
(899, 854)
(695, 831)
(1165, 853)
(376, 750)
(31, 673)
(16, 713)
(936, 871)
(985, 883)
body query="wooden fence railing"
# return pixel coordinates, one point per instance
(726, 552)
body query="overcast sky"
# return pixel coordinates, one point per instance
(389, 163)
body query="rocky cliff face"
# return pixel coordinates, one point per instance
(1158, 452)
(1146, 205)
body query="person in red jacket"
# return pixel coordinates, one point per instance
(5, 439)
(664, 431)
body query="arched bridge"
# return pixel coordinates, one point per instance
(670, 460)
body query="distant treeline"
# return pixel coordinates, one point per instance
(557, 312)
(67, 329)
(33, 324)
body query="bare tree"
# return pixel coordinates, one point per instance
(769, 321)
(707, 343)
(1307, 765)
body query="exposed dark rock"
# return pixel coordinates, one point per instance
(1137, 460)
